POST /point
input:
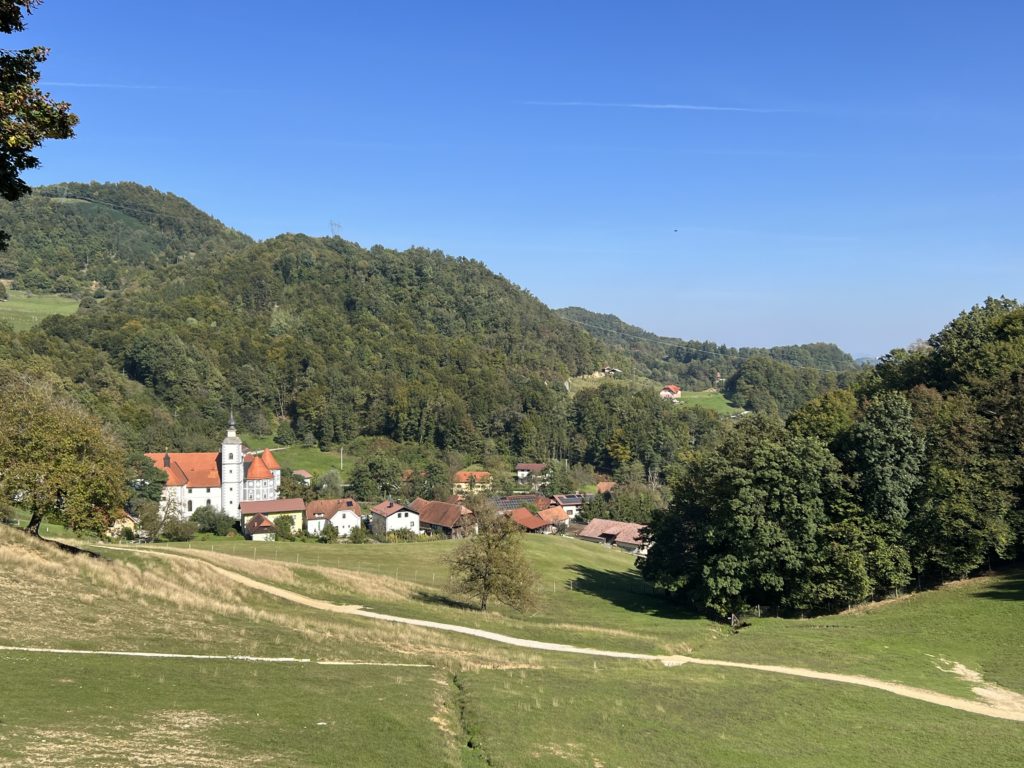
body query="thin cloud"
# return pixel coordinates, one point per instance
(631, 105)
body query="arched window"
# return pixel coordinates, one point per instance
(190, 505)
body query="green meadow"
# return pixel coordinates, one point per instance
(23, 310)
(476, 703)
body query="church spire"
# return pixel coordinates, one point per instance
(231, 418)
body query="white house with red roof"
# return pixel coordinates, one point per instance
(671, 392)
(344, 514)
(391, 516)
(220, 479)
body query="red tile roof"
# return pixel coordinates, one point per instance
(270, 506)
(531, 521)
(259, 523)
(440, 513)
(269, 460)
(612, 531)
(672, 388)
(537, 468)
(554, 515)
(195, 470)
(328, 508)
(606, 487)
(387, 508)
(255, 469)
(303, 474)
(467, 476)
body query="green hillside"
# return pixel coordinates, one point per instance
(475, 702)
(778, 379)
(24, 310)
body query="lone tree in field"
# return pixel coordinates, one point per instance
(56, 459)
(492, 564)
(28, 116)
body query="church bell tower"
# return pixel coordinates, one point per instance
(231, 471)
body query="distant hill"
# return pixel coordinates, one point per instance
(774, 378)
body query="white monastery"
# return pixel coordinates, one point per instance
(221, 479)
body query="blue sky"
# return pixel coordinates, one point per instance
(753, 173)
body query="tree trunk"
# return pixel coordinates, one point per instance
(483, 601)
(33, 524)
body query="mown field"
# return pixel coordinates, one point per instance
(23, 311)
(477, 703)
(710, 399)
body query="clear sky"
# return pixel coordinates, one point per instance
(749, 172)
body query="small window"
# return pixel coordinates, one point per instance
(231, 456)
(190, 490)
(190, 504)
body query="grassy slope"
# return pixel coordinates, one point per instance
(712, 400)
(313, 460)
(519, 709)
(23, 311)
(975, 623)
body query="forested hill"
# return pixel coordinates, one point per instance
(72, 236)
(760, 379)
(332, 339)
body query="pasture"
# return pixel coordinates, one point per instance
(476, 703)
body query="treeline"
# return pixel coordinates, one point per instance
(910, 478)
(775, 379)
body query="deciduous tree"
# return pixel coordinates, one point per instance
(492, 564)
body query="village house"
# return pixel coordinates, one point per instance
(276, 511)
(671, 392)
(468, 482)
(389, 516)
(546, 521)
(344, 514)
(303, 476)
(453, 521)
(220, 479)
(531, 474)
(615, 533)
(570, 503)
(259, 528)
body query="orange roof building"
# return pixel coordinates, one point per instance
(220, 479)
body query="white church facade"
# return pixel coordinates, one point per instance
(222, 480)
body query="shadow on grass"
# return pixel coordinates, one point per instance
(435, 598)
(1009, 587)
(627, 590)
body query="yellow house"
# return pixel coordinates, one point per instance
(467, 482)
(275, 510)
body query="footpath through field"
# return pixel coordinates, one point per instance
(1009, 706)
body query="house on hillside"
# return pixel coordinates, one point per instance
(220, 479)
(303, 476)
(467, 482)
(570, 503)
(615, 533)
(389, 516)
(531, 474)
(275, 510)
(344, 514)
(260, 528)
(531, 522)
(671, 392)
(441, 518)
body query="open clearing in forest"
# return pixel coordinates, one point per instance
(23, 310)
(479, 702)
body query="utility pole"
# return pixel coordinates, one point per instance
(341, 457)
(335, 228)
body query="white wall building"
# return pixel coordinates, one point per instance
(221, 479)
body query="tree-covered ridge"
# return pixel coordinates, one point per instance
(775, 379)
(70, 237)
(912, 476)
(345, 341)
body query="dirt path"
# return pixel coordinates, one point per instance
(1009, 708)
(261, 659)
